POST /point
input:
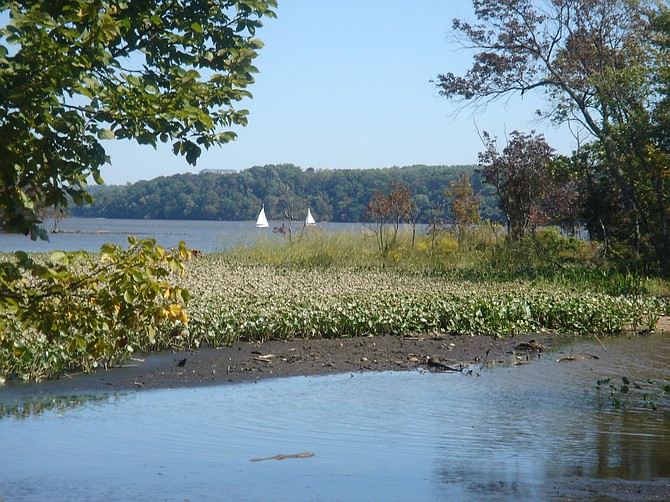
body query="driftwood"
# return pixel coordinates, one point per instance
(435, 362)
(576, 357)
(282, 457)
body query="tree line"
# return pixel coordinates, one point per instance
(338, 195)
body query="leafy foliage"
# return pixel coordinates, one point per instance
(520, 175)
(235, 301)
(339, 195)
(74, 73)
(603, 67)
(320, 286)
(78, 310)
(464, 203)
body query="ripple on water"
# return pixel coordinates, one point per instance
(519, 432)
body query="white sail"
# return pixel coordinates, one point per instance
(310, 219)
(262, 221)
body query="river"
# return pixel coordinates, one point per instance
(90, 234)
(533, 432)
(539, 431)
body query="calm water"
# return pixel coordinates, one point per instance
(532, 432)
(208, 236)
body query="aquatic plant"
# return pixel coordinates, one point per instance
(233, 302)
(649, 394)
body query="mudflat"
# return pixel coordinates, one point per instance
(248, 362)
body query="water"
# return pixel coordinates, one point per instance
(207, 236)
(531, 432)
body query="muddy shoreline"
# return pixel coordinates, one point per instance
(249, 362)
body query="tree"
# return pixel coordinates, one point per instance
(81, 310)
(387, 212)
(74, 73)
(599, 63)
(464, 204)
(333, 195)
(567, 193)
(288, 206)
(520, 174)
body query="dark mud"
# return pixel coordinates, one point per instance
(247, 362)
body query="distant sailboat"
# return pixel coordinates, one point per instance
(310, 219)
(262, 221)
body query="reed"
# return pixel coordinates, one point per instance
(477, 254)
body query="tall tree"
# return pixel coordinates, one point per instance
(520, 174)
(598, 63)
(76, 72)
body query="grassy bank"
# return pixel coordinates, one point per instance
(338, 285)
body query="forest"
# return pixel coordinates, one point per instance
(339, 195)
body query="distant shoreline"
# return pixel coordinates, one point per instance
(96, 232)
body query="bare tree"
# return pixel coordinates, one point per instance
(386, 212)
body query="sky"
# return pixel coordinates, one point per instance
(347, 84)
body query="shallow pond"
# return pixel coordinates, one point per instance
(539, 431)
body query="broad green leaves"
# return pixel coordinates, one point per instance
(234, 302)
(76, 310)
(79, 310)
(76, 73)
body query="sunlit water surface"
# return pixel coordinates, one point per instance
(532, 432)
(207, 236)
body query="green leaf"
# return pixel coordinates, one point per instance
(106, 134)
(58, 256)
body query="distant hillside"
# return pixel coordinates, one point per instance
(339, 195)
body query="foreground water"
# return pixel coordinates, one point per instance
(532, 432)
(207, 236)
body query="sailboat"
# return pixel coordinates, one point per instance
(262, 221)
(309, 221)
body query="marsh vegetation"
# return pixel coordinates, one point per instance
(467, 282)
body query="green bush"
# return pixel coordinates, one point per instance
(78, 310)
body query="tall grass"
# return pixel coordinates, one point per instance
(476, 254)
(313, 248)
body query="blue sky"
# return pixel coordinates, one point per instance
(346, 84)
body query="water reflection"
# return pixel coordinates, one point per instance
(633, 445)
(533, 432)
(38, 405)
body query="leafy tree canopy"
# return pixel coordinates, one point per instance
(76, 72)
(603, 65)
(340, 195)
(520, 174)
